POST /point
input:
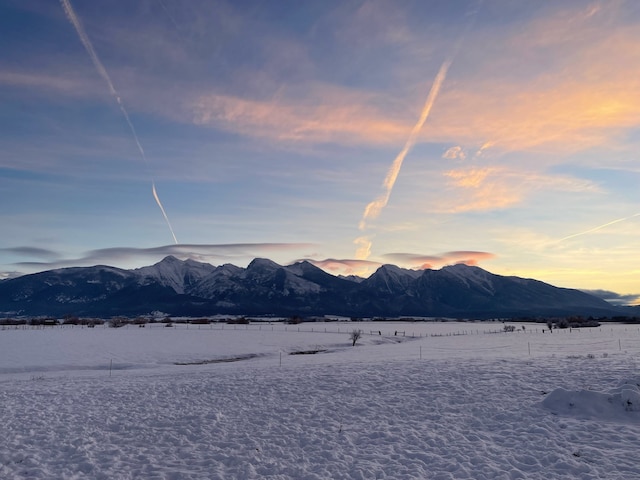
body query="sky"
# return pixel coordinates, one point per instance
(348, 133)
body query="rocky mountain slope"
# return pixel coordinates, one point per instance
(192, 288)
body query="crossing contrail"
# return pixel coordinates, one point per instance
(599, 227)
(102, 71)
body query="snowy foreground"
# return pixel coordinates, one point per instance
(414, 400)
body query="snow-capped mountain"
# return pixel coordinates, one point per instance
(392, 279)
(177, 274)
(187, 287)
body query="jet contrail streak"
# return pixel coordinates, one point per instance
(599, 227)
(102, 71)
(164, 214)
(374, 208)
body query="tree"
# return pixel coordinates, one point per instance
(354, 336)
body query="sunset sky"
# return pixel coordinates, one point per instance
(499, 133)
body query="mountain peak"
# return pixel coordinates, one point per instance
(262, 263)
(175, 273)
(184, 287)
(388, 268)
(170, 259)
(472, 275)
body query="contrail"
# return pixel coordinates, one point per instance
(374, 208)
(599, 227)
(164, 214)
(102, 71)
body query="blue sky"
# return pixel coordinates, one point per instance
(498, 133)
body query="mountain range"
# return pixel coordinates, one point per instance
(190, 288)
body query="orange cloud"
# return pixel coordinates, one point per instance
(364, 247)
(454, 153)
(470, 178)
(447, 258)
(346, 266)
(338, 117)
(491, 188)
(364, 268)
(582, 92)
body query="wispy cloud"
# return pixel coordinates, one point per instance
(341, 117)
(492, 188)
(586, 100)
(46, 82)
(582, 95)
(455, 153)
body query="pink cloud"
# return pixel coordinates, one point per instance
(346, 266)
(420, 261)
(340, 117)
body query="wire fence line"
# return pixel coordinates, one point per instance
(311, 327)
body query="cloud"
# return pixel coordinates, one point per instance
(536, 85)
(524, 85)
(48, 82)
(364, 268)
(32, 252)
(199, 252)
(346, 266)
(414, 260)
(364, 244)
(615, 298)
(454, 153)
(10, 275)
(340, 117)
(497, 187)
(543, 84)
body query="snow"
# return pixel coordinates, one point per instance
(411, 400)
(470, 275)
(611, 406)
(176, 273)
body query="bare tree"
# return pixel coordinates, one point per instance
(354, 336)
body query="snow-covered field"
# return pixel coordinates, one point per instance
(411, 400)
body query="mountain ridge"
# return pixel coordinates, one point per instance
(188, 287)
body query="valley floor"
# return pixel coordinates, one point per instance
(388, 408)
